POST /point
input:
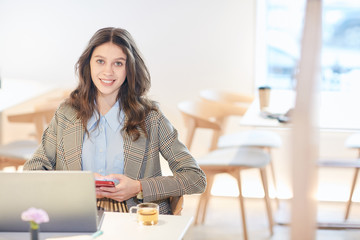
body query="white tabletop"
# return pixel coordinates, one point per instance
(336, 111)
(121, 226)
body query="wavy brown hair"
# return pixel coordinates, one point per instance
(132, 93)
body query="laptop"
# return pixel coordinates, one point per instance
(67, 196)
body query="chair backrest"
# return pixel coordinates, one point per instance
(202, 110)
(200, 114)
(234, 103)
(226, 96)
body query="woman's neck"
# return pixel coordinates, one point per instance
(104, 104)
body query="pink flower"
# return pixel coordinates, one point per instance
(35, 215)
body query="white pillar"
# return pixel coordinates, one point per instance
(305, 132)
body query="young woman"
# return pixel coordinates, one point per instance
(109, 126)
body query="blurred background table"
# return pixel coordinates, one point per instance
(336, 111)
(21, 96)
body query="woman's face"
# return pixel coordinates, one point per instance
(108, 70)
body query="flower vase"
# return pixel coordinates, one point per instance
(34, 216)
(34, 234)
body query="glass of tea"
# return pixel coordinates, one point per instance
(147, 213)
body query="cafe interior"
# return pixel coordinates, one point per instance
(274, 79)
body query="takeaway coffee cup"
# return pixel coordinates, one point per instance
(264, 97)
(147, 213)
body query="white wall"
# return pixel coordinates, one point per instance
(188, 45)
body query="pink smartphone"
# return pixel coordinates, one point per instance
(104, 183)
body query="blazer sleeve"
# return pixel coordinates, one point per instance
(187, 177)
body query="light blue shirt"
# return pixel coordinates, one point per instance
(102, 151)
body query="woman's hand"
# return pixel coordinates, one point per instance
(127, 188)
(98, 176)
(98, 192)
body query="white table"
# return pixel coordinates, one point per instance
(123, 226)
(336, 111)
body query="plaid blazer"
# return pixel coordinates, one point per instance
(61, 146)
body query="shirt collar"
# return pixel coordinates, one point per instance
(115, 117)
(92, 121)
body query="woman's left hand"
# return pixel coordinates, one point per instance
(127, 188)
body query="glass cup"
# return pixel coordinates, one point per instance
(147, 213)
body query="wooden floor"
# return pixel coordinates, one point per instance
(223, 220)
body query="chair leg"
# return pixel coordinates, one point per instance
(271, 166)
(237, 176)
(190, 134)
(347, 211)
(214, 140)
(203, 200)
(273, 178)
(207, 197)
(267, 199)
(199, 209)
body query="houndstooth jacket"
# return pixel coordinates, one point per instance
(61, 146)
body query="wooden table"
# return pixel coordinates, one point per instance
(19, 96)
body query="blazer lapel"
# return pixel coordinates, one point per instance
(134, 152)
(73, 138)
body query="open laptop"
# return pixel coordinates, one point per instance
(67, 196)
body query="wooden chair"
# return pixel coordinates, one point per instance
(353, 142)
(230, 160)
(266, 140)
(16, 153)
(207, 115)
(227, 96)
(177, 204)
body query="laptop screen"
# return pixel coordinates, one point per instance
(67, 196)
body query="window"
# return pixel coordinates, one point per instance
(340, 58)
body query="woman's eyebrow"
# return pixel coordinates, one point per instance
(119, 58)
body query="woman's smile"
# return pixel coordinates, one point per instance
(107, 82)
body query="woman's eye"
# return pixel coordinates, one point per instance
(118, 64)
(100, 61)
